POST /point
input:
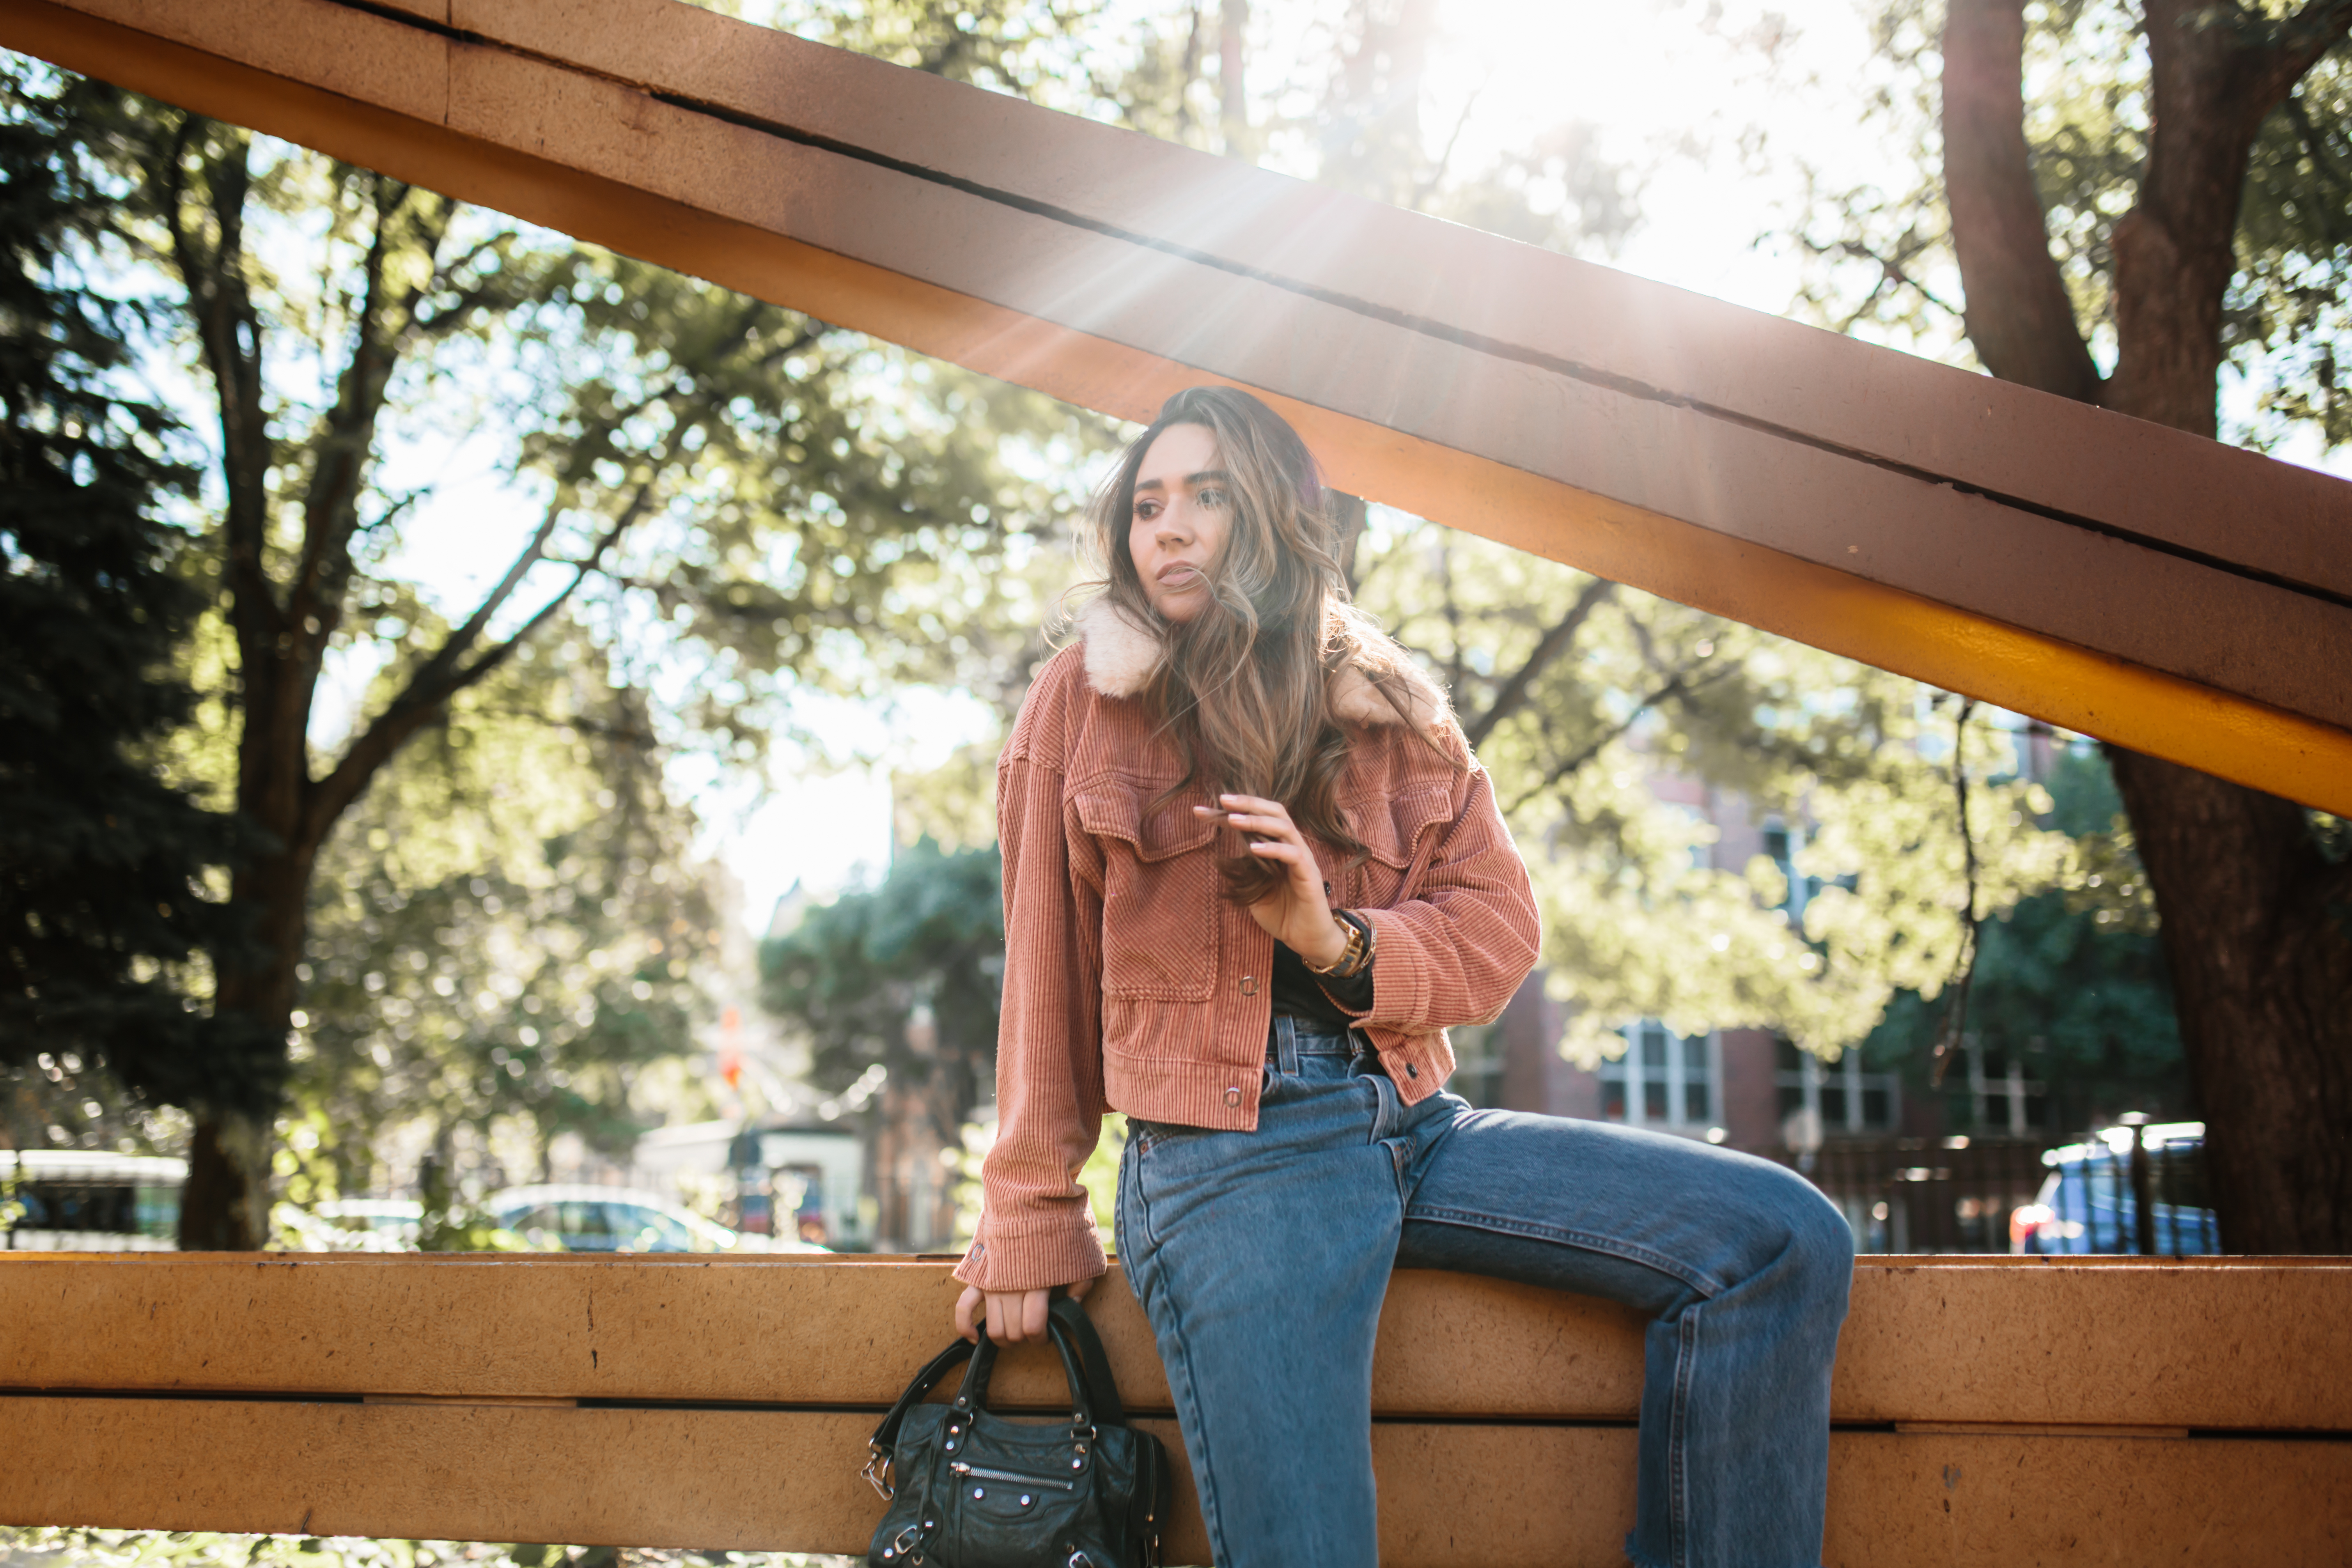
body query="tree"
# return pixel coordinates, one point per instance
(796, 506)
(106, 908)
(904, 977)
(2171, 197)
(507, 935)
(2254, 890)
(1594, 707)
(2069, 984)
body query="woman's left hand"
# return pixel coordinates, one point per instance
(1297, 914)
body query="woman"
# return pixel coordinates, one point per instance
(1252, 875)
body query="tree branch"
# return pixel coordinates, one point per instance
(426, 695)
(1677, 686)
(1514, 693)
(228, 338)
(2018, 313)
(347, 440)
(2310, 33)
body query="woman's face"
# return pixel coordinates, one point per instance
(1184, 508)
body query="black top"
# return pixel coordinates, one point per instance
(1301, 993)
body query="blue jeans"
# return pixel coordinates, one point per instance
(1262, 1258)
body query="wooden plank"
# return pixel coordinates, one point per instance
(2059, 1502)
(1451, 1494)
(1814, 386)
(2127, 1342)
(2070, 1343)
(1826, 556)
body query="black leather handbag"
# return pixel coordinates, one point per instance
(969, 1489)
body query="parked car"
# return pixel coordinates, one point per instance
(2086, 1202)
(619, 1219)
(352, 1225)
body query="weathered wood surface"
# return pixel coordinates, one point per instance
(2109, 576)
(2229, 1345)
(1451, 1495)
(1991, 1411)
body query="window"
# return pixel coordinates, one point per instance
(1997, 1098)
(1782, 844)
(1847, 1098)
(1663, 1079)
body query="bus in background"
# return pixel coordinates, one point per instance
(78, 1200)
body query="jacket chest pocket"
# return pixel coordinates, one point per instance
(1396, 832)
(1160, 889)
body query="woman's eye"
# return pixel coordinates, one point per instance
(1212, 498)
(1145, 510)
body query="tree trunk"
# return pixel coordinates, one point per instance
(225, 1207)
(2262, 973)
(2257, 922)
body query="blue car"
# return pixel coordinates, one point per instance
(2086, 1204)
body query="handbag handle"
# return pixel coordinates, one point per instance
(885, 1441)
(1094, 1392)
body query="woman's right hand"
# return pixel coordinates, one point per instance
(1013, 1315)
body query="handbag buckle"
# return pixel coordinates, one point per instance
(877, 1471)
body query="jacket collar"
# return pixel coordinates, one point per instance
(1120, 656)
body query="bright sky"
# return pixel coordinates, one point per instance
(1653, 75)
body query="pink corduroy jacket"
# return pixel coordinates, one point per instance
(1130, 984)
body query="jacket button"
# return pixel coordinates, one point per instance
(1249, 984)
(1411, 1070)
(1233, 1097)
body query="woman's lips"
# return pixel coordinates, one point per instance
(1178, 574)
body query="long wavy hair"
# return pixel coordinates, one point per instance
(1243, 689)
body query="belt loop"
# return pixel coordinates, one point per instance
(1286, 1044)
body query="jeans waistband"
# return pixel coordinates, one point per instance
(1288, 1038)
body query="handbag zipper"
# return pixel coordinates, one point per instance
(983, 1473)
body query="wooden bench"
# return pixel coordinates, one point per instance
(1987, 1411)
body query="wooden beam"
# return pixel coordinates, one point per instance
(2100, 1344)
(2111, 576)
(1451, 1495)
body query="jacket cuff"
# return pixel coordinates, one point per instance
(1033, 1260)
(1400, 996)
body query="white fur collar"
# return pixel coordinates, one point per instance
(1120, 656)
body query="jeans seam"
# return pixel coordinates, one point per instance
(1205, 1480)
(1677, 1458)
(1590, 1241)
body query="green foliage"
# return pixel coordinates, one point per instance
(2071, 982)
(108, 901)
(904, 977)
(1884, 258)
(716, 505)
(509, 930)
(1609, 751)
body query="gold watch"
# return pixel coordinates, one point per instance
(1356, 957)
